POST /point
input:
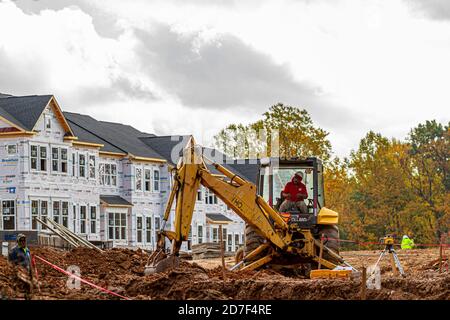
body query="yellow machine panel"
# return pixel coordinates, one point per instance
(327, 216)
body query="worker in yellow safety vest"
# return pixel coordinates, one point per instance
(407, 243)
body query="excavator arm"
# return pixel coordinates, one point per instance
(237, 193)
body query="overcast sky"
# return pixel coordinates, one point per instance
(194, 66)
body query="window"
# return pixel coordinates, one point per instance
(74, 172)
(139, 229)
(156, 180)
(148, 229)
(74, 218)
(34, 214)
(147, 179)
(9, 214)
(56, 211)
(55, 156)
(230, 242)
(48, 122)
(44, 212)
(65, 213)
(138, 178)
(113, 175)
(82, 165)
(210, 198)
(34, 157)
(63, 160)
(83, 219)
(59, 160)
(11, 148)
(107, 174)
(215, 235)
(157, 226)
(43, 158)
(199, 195)
(92, 167)
(93, 219)
(200, 233)
(38, 159)
(236, 241)
(117, 224)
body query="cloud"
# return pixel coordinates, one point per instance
(60, 52)
(220, 73)
(104, 23)
(434, 9)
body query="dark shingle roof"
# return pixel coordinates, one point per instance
(165, 144)
(85, 136)
(122, 137)
(114, 200)
(218, 217)
(23, 111)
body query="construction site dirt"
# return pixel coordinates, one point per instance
(122, 271)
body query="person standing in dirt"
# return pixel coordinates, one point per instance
(407, 243)
(294, 194)
(20, 256)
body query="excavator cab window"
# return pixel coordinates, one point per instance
(274, 176)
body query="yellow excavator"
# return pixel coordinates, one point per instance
(273, 239)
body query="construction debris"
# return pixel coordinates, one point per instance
(206, 250)
(67, 235)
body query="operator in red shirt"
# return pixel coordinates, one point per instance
(293, 194)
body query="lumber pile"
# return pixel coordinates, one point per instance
(67, 235)
(206, 250)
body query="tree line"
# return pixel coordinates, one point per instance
(385, 186)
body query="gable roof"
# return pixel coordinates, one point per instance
(118, 137)
(23, 111)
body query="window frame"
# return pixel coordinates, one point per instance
(91, 166)
(138, 179)
(139, 229)
(82, 166)
(147, 181)
(93, 220)
(83, 220)
(9, 215)
(156, 181)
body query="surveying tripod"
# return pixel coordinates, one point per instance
(389, 249)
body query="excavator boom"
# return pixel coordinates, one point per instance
(239, 195)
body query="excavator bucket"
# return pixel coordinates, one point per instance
(160, 262)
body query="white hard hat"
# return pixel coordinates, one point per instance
(405, 237)
(299, 173)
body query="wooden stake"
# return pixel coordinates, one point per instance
(321, 251)
(363, 283)
(222, 253)
(440, 256)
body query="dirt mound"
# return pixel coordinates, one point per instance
(122, 271)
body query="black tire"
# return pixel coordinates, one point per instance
(331, 235)
(252, 239)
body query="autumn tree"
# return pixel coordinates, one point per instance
(290, 126)
(427, 170)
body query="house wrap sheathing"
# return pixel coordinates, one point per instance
(105, 181)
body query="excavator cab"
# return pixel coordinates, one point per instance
(275, 173)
